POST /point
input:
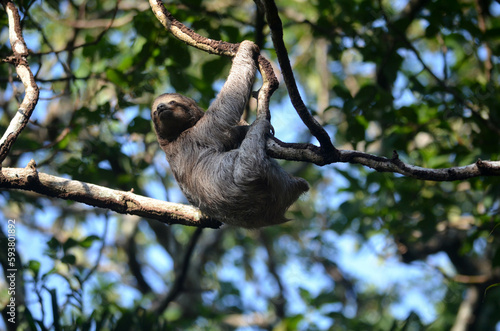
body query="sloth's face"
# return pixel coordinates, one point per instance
(173, 113)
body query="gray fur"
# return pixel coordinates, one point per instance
(220, 167)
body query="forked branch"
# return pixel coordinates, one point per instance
(273, 20)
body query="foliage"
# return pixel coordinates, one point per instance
(380, 75)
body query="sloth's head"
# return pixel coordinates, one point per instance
(173, 113)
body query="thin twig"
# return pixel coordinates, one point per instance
(101, 252)
(94, 42)
(180, 278)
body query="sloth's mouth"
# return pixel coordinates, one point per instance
(162, 108)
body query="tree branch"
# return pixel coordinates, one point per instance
(382, 164)
(185, 34)
(465, 315)
(274, 22)
(178, 285)
(30, 100)
(311, 153)
(134, 265)
(279, 301)
(98, 196)
(191, 38)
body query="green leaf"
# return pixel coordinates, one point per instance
(34, 266)
(88, 241)
(54, 244)
(116, 77)
(69, 259)
(70, 243)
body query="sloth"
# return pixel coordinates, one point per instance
(222, 167)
